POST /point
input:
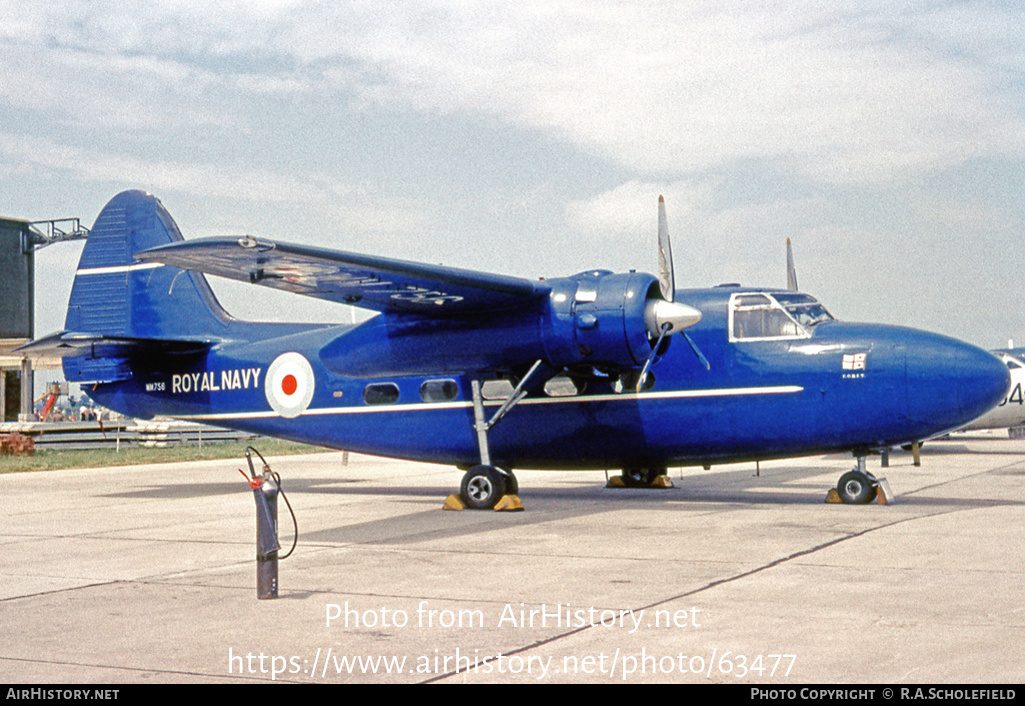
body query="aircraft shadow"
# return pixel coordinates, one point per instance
(701, 493)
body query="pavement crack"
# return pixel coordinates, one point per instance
(708, 586)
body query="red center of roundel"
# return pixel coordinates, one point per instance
(289, 384)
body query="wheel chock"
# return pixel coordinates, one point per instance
(453, 502)
(884, 496)
(659, 482)
(509, 503)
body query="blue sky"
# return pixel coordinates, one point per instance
(533, 139)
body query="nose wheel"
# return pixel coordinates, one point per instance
(857, 486)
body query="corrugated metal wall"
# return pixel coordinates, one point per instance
(16, 272)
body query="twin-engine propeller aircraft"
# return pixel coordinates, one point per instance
(492, 373)
(1010, 412)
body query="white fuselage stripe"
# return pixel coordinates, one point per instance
(576, 399)
(118, 268)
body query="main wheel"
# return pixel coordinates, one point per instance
(641, 477)
(857, 488)
(482, 487)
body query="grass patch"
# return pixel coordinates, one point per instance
(102, 458)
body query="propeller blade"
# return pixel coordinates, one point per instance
(666, 281)
(791, 270)
(666, 328)
(668, 316)
(697, 351)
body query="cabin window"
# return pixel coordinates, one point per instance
(563, 386)
(497, 389)
(439, 390)
(381, 393)
(756, 316)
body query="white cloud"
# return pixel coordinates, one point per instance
(347, 207)
(630, 209)
(845, 94)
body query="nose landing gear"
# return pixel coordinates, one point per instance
(859, 487)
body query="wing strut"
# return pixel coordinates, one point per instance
(479, 424)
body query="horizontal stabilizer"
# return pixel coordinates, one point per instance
(101, 359)
(376, 283)
(69, 343)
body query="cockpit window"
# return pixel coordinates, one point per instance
(804, 308)
(760, 316)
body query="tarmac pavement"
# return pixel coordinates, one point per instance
(147, 574)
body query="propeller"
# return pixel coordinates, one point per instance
(791, 270)
(664, 316)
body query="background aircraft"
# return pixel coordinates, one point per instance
(491, 373)
(1010, 413)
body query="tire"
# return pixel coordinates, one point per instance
(482, 487)
(856, 488)
(512, 486)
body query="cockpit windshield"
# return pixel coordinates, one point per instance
(804, 308)
(774, 315)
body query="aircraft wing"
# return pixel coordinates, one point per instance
(376, 283)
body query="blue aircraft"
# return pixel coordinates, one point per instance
(491, 373)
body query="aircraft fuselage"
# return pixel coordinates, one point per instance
(781, 392)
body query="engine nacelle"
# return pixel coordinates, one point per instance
(599, 318)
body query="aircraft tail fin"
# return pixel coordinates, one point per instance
(116, 298)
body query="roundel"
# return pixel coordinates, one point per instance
(289, 384)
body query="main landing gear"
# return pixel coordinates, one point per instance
(485, 486)
(641, 477)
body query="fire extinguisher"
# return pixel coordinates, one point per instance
(266, 487)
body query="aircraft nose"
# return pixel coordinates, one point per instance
(950, 382)
(982, 382)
